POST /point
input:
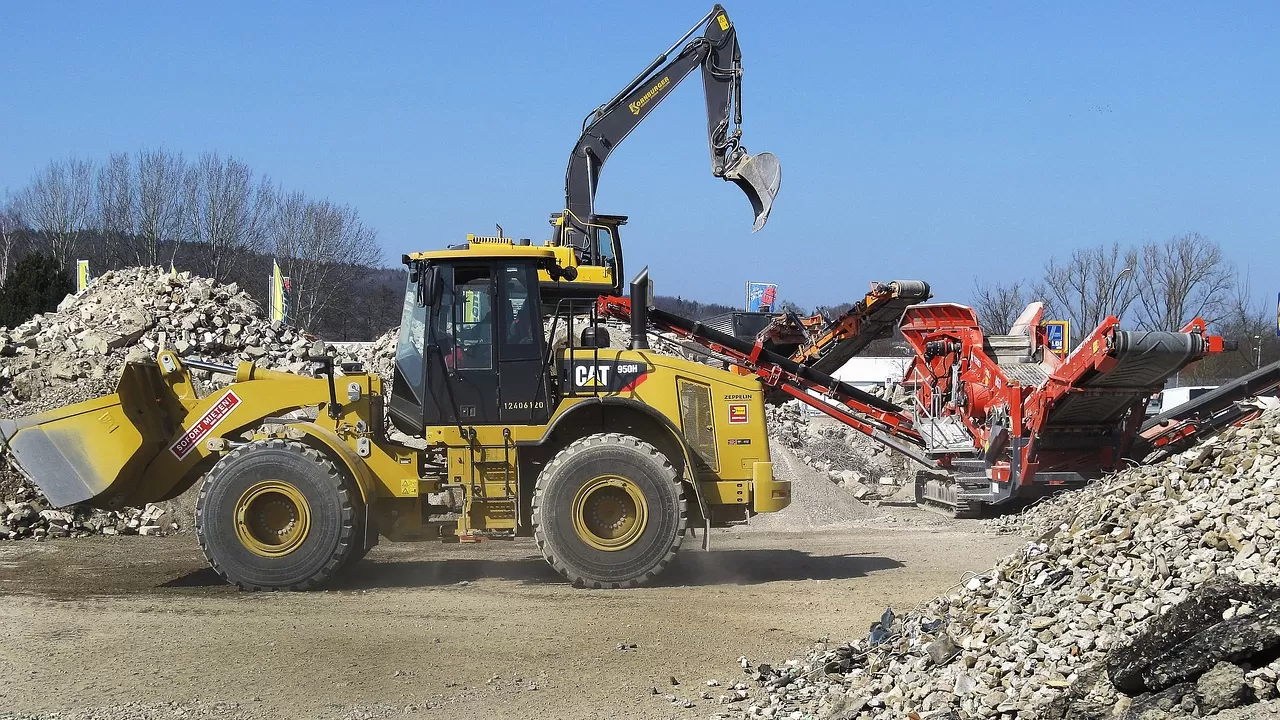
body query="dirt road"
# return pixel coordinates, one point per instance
(442, 631)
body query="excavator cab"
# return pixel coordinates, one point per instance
(593, 249)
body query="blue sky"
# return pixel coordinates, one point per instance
(939, 141)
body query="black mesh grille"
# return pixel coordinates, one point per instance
(695, 416)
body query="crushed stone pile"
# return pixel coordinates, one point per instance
(816, 502)
(1151, 593)
(378, 357)
(847, 457)
(77, 353)
(28, 515)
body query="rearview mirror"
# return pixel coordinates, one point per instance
(429, 288)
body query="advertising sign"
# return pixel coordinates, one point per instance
(761, 296)
(1058, 337)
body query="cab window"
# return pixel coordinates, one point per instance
(604, 241)
(521, 324)
(409, 346)
(471, 318)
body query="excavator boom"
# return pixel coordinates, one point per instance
(717, 53)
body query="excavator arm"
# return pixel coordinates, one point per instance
(716, 51)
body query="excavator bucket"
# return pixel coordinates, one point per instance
(93, 451)
(759, 176)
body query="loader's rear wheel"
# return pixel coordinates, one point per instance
(609, 512)
(278, 515)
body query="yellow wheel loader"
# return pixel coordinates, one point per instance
(607, 457)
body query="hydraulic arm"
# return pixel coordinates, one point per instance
(717, 53)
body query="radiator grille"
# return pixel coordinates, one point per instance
(698, 425)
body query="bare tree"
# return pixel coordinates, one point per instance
(227, 215)
(117, 206)
(1182, 278)
(1091, 285)
(323, 248)
(10, 223)
(161, 205)
(998, 305)
(56, 204)
(1252, 324)
(1249, 321)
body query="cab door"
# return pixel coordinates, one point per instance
(523, 377)
(462, 372)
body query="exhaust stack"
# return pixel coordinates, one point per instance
(641, 299)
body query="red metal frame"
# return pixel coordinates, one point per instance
(949, 347)
(950, 351)
(774, 375)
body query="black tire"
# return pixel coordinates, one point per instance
(332, 503)
(649, 473)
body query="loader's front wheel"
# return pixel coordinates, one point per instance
(275, 514)
(609, 511)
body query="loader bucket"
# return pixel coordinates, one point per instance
(759, 176)
(95, 451)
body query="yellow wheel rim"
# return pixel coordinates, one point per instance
(609, 513)
(272, 518)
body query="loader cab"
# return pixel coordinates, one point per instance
(471, 343)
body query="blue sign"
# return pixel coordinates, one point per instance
(1057, 334)
(1055, 337)
(761, 297)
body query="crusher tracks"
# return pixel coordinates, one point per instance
(936, 492)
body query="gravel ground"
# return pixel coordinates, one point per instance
(816, 502)
(138, 627)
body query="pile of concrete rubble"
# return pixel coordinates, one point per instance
(77, 353)
(1149, 594)
(28, 515)
(849, 458)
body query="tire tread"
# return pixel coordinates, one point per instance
(560, 459)
(326, 468)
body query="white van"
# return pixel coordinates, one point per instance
(1171, 398)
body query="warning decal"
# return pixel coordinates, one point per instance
(205, 424)
(737, 414)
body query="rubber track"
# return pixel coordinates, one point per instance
(963, 510)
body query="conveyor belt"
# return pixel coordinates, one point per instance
(884, 315)
(729, 341)
(1256, 382)
(1144, 360)
(1209, 412)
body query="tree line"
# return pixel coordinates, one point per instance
(1152, 286)
(212, 215)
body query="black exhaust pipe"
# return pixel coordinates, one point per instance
(641, 294)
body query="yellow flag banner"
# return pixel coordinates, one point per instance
(277, 293)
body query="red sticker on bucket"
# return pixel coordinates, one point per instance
(205, 424)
